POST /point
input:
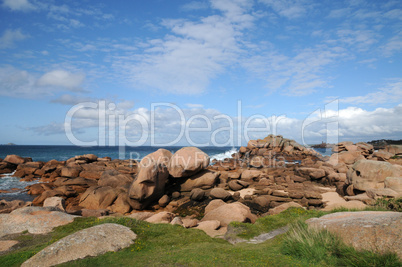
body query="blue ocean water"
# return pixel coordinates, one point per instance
(46, 153)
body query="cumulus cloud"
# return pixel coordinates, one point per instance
(62, 78)
(19, 5)
(9, 37)
(23, 84)
(168, 124)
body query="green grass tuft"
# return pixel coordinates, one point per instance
(392, 204)
(323, 248)
(269, 223)
(173, 245)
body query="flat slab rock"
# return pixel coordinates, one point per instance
(379, 231)
(35, 220)
(88, 242)
(7, 244)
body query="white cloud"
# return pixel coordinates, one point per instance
(339, 13)
(391, 93)
(189, 105)
(352, 123)
(195, 52)
(298, 75)
(19, 5)
(362, 40)
(62, 78)
(67, 99)
(22, 84)
(9, 37)
(290, 9)
(393, 45)
(194, 5)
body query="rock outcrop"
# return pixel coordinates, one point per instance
(369, 174)
(150, 182)
(377, 231)
(88, 242)
(35, 220)
(226, 213)
(187, 161)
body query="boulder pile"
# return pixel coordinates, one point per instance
(266, 177)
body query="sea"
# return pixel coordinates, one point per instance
(17, 189)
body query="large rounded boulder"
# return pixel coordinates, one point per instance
(370, 174)
(187, 162)
(152, 176)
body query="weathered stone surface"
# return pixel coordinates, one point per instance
(257, 162)
(114, 179)
(164, 201)
(6, 167)
(203, 180)
(161, 217)
(97, 197)
(382, 155)
(216, 203)
(250, 175)
(236, 185)
(233, 175)
(7, 244)
(71, 172)
(176, 221)
(312, 173)
(94, 213)
(56, 202)
(209, 227)
(9, 206)
(346, 157)
(369, 174)
(394, 149)
(88, 158)
(121, 204)
(197, 194)
(382, 192)
(284, 207)
(394, 183)
(189, 222)
(37, 189)
(14, 159)
(333, 200)
(219, 193)
(370, 230)
(46, 194)
(230, 212)
(36, 220)
(188, 161)
(150, 182)
(141, 216)
(88, 242)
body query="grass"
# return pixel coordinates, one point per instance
(269, 223)
(173, 245)
(323, 248)
(163, 245)
(392, 204)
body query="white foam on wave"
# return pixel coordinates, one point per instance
(8, 181)
(224, 155)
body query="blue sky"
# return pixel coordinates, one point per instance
(286, 63)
